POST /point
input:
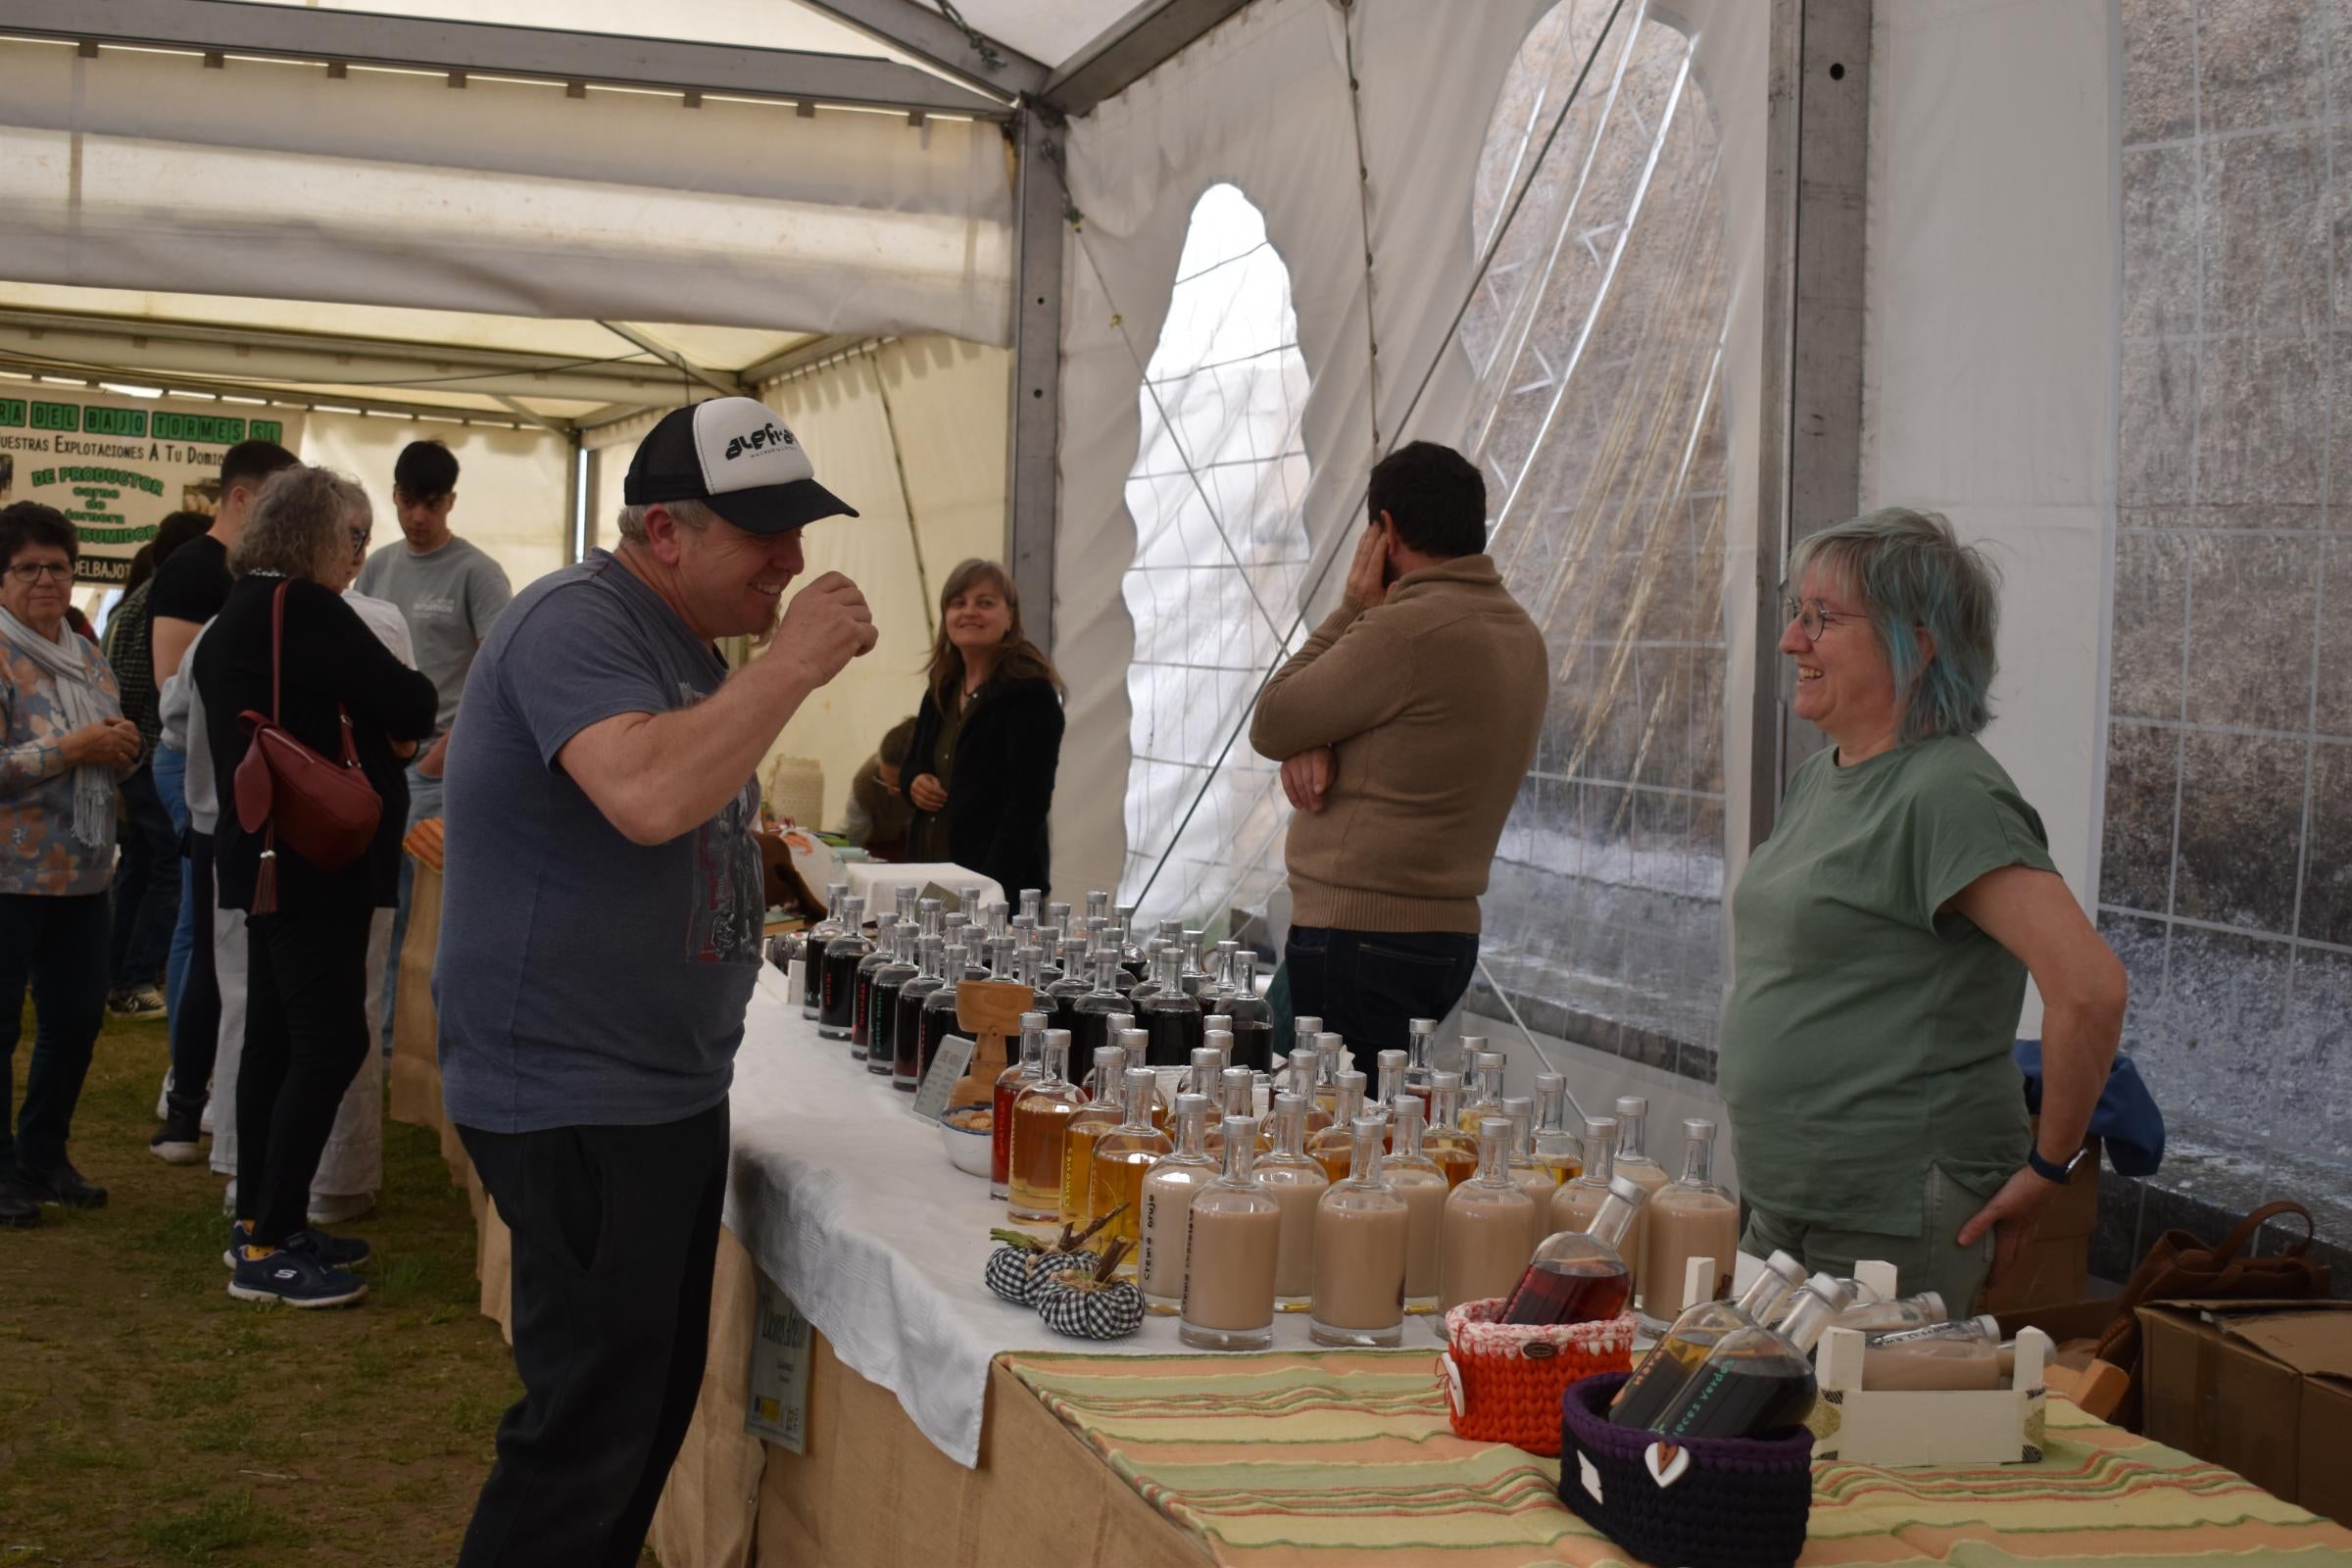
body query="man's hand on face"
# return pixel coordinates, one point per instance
(1368, 573)
(1307, 777)
(826, 625)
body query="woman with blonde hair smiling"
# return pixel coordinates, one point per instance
(306, 1016)
(1881, 936)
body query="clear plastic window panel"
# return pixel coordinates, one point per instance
(1220, 560)
(2226, 870)
(1597, 340)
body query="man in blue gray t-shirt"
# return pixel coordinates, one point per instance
(600, 938)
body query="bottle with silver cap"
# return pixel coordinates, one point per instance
(1689, 1217)
(1683, 1349)
(812, 950)
(1757, 1380)
(1362, 1233)
(1026, 1069)
(1580, 1276)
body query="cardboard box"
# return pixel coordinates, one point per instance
(2264, 1388)
(2055, 1265)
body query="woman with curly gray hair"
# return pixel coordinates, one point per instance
(1881, 936)
(306, 1022)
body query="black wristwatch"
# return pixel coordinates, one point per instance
(2050, 1171)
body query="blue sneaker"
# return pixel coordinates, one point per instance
(295, 1277)
(335, 1252)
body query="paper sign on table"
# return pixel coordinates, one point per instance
(947, 1064)
(778, 1407)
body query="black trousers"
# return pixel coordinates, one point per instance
(146, 887)
(57, 944)
(616, 1233)
(1367, 985)
(305, 1034)
(196, 1021)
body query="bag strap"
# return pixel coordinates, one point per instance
(2235, 1241)
(278, 644)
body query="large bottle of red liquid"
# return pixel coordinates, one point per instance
(1579, 1276)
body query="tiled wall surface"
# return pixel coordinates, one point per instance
(2227, 868)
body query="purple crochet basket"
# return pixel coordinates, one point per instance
(1741, 1503)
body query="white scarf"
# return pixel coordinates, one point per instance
(72, 664)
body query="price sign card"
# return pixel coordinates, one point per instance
(947, 1067)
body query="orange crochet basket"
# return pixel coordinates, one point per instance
(1503, 1381)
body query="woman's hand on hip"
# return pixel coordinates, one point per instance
(927, 792)
(2012, 1215)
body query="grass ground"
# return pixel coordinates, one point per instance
(147, 1418)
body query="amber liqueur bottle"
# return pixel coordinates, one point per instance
(1757, 1380)
(1041, 1120)
(1172, 1020)
(1683, 1349)
(1028, 1069)
(882, 1007)
(1580, 1276)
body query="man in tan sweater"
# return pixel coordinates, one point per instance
(1403, 728)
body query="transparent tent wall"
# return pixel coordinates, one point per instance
(1221, 559)
(1596, 339)
(2225, 874)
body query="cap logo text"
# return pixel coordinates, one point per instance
(771, 434)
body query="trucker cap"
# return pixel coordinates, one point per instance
(734, 454)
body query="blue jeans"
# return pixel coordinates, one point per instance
(425, 800)
(147, 887)
(1367, 985)
(170, 769)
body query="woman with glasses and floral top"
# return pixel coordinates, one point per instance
(1881, 936)
(64, 747)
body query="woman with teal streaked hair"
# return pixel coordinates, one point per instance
(1883, 934)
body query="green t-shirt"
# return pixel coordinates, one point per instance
(1867, 1037)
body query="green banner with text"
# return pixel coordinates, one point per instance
(117, 466)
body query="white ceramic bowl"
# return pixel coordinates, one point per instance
(968, 1151)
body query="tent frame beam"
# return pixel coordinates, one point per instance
(1032, 464)
(1816, 180)
(1131, 48)
(459, 49)
(929, 36)
(630, 381)
(284, 397)
(724, 382)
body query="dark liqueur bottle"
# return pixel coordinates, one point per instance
(1172, 1023)
(906, 1030)
(838, 994)
(882, 1009)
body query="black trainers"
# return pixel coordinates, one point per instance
(18, 1212)
(335, 1252)
(62, 1183)
(294, 1278)
(177, 1142)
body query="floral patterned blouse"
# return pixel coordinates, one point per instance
(36, 787)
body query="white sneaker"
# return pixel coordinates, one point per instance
(339, 1208)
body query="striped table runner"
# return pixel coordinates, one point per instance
(1319, 1459)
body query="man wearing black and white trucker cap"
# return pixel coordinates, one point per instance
(600, 938)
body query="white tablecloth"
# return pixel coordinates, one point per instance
(848, 1204)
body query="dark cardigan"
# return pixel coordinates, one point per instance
(1005, 757)
(332, 661)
